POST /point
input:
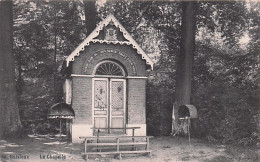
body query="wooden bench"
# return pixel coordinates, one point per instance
(108, 129)
(117, 142)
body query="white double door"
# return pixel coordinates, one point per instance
(109, 104)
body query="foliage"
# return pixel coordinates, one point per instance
(41, 127)
(44, 34)
(225, 86)
(213, 16)
(225, 96)
(159, 109)
(225, 76)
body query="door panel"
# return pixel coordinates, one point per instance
(109, 102)
(100, 94)
(117, 122)
(117, 104)
(100, 103)
(100, 122)
(100, 112)
(117, 112)
(117, 94)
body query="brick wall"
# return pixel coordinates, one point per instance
(82, 99)
(136, 101)
(82, 61)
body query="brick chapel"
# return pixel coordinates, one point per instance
(105, 82)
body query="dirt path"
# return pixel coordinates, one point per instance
(165, 149)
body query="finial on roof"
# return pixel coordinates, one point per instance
(111, 23)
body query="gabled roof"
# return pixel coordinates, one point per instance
(95, 33)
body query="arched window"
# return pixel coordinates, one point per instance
(109, 68)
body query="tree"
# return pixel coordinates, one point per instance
(213, 17)
(185, 58)
(9, 112)
(90, 15)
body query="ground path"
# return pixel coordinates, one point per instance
(165, 149)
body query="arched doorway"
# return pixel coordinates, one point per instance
(109, 97)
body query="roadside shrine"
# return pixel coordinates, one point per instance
(105, 83)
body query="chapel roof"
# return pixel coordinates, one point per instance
(92, 38)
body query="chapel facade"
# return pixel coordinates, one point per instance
(105, 82)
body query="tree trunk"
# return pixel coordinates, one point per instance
(19, 82)
(55, 89)
(9, 112)
(185, 61)
(90, 15)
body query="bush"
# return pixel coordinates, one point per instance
(41, 126)
(159, 110)
(226, 113)
(46, 128)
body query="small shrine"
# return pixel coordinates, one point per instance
(105, 83)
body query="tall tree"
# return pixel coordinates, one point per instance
(185, 58)
(9, 112)
(212, 16)
(90, 15)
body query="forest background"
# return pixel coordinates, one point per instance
(225, 84)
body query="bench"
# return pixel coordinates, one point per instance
(108, 129)
(117, 142)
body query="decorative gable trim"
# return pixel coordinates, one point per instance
(95, 33)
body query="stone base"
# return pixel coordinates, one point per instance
(79, 130)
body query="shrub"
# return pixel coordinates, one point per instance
(227, 113)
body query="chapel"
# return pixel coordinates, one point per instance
(105, 83)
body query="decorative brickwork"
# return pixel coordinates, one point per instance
(95, 53)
